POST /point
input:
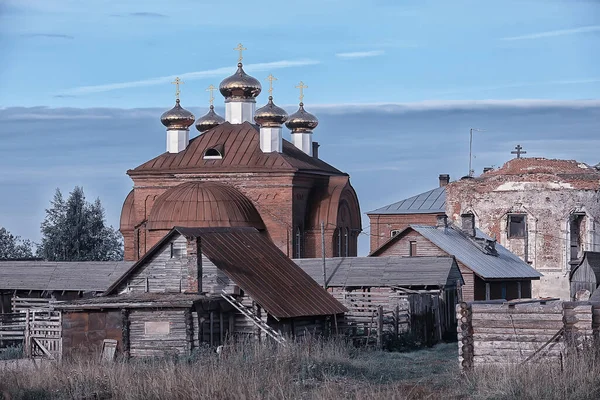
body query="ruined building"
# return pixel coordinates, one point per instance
(545, 211)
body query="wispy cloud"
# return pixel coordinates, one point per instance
(211, 73)
(141, 14)
(360, 54)
(519, 85)
(559, 32)
(48, 35)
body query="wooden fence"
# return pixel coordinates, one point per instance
(388, 314)
(529, 331)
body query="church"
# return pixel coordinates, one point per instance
(239, 171)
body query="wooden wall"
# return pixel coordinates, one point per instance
(159, 333)
(84, 332)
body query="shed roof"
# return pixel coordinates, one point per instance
(503, 265)
(383, 271)
(259, 268)
(430, 202)
(73, 276)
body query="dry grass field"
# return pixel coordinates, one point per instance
(310, 369)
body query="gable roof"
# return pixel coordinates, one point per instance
(430, 202)
(383, 271)
(504, 265)
(241, 152)
(87, 276)
(258, 267)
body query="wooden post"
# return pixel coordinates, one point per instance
(189, 332)
(231, 331)
(465, 335)
(335, 323)
(27, 335)
(125, 332)
(397, 322)
(380, 327)
(221, 330)
(212, 325)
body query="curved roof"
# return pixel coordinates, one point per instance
(203, 204)
(128, 214)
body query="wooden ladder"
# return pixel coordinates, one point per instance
(278, 337)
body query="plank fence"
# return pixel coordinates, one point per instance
(495, 333)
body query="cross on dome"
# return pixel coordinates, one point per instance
(271, 78)
(240, 48)
(301, 86)
(177, 82)
(210, 89)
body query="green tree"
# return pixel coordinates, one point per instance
(75, 230)
(12, 246)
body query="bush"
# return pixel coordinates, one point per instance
(11, 353)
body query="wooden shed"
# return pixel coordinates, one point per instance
(202, 285)
(586, 275)
(406, 289)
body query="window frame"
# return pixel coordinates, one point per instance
(509, 223)
(412, 248)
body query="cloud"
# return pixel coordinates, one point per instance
(48, 35)
(519, 85)
(559, 32)
(141, 14)
(211, 73)
(360, 54)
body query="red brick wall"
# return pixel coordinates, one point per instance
(382, 224)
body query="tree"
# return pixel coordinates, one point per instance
(75, 230)
(12, 246)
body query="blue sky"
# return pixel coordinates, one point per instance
(396, 85)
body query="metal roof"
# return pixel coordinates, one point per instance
(505, 265)
(72, 276)
(430, 202)
(383, 271)
(258, 267)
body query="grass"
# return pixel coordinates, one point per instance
(308, 369)
(11, 353)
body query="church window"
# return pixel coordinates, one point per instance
(516, 225)
(214, 153)
(412, 250)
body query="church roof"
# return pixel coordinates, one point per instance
(430, 202)
(241, 153)
(203, 204)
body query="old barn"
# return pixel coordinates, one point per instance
(201, 285)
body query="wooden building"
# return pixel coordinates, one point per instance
(395, 287)
(56, 280)
(586, 275)
(489, 270)
(201, 285)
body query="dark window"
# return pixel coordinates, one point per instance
(394, 232)
(172, 250)
(412, 251)
(516, 225)
(213, 154)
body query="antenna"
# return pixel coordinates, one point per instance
(471, 148)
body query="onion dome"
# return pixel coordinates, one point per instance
(270, 115)
(202, 204)
(177, 118)
(302, 121)
(209, 121)
(240, 86)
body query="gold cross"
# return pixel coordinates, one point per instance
(177, 82)
(240, 48)
(271, 78)
(212, 98)
(301, 86)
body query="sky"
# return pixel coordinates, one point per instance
(396, 86)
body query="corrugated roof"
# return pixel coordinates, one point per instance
(241, 147)
(505, 265)
(430, 202)
(383, 271)
(259, 268)
(74, 276)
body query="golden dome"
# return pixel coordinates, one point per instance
(240, 86)
(270, 115)
(177, 117)
(209, 121)
(302, 121)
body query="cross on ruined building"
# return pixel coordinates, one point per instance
(301, 86)
(210, 89)
(518, 151)
(271, 78)
(240, 48)
(177, 82)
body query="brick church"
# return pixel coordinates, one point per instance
(239, 171)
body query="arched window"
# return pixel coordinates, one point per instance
(214, 153)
